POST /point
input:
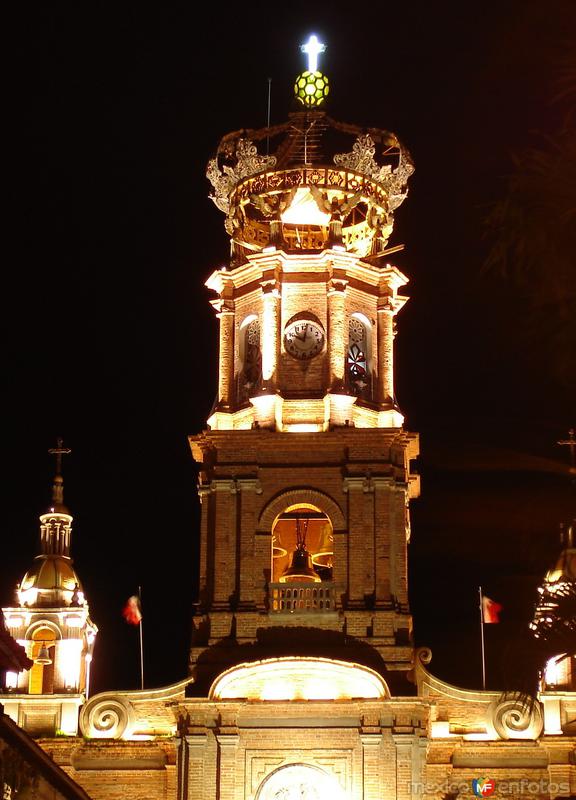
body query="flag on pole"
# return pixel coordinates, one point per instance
(132, 611)
(490, 610)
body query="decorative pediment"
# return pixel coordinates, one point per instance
(295, 678)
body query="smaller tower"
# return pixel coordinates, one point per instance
(554, 623)
(51, 620)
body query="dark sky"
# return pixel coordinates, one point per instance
(109, 341)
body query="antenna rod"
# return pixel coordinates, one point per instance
(268, 118)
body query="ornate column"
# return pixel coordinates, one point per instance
(337, 338)
(270, 334)
(386, 311)
(226, 372)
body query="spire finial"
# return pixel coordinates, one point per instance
(58, 486)
(570, 442)
(312, 87)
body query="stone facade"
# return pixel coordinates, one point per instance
(326, 725)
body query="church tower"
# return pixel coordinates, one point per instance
(51, 620)
(305, 467)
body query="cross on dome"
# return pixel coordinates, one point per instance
(59, 451)
(313, 48)
(58, 485)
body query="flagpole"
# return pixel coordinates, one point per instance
(141, 644)
(482, 638)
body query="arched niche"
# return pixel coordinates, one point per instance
(300, 782)
(250, 357)
(301, 497)
(43, 642)
(359, 355)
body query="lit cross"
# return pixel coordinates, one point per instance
(59, 451)
(312, 50)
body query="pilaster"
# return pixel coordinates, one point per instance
(371, 747)
(337, 334)
(385, 393)
(225, 559)
(270, 334)
(262, 567)
(249, 488)
(226, 361)
(382, 494)
(191, 758)
(358, 534)
(227, 750)
(404, 787)
(398, 548)
(204, 494)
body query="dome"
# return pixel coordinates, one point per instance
(51, 582)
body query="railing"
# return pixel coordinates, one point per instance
(302, 598)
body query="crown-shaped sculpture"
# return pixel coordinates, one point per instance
(316, 184)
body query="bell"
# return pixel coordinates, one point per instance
(300, 569)
(43, 657)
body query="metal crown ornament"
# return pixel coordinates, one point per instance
(317, 184)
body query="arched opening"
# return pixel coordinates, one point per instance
(302, 560)
(41, 676)
(300, 782)
(358, 356)
(250, 353)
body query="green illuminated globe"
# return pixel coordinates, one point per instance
(311, 88)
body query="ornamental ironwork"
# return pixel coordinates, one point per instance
(361, 159)
(248, 163)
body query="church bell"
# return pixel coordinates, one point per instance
(43, 657)
(301, 568)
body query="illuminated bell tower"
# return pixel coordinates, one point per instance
(51, 620)
(305, 475)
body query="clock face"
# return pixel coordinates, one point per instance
(303, 339)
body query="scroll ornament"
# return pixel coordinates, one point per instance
(514, 719)
(108, 717)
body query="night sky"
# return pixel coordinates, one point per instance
(112, 112)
